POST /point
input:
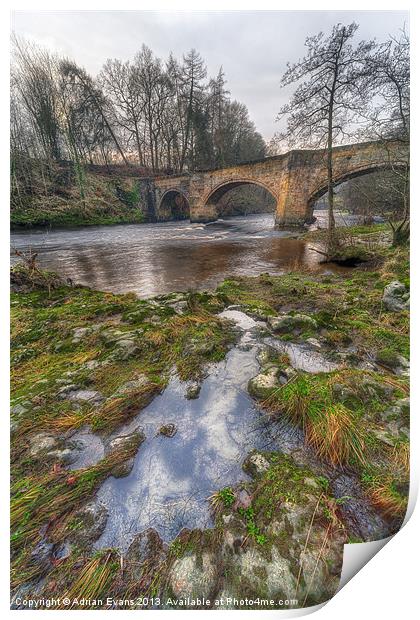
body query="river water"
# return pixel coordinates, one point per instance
(154, 259)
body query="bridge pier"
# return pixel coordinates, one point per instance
(292, 206)
(203, 213)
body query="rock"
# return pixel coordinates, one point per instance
(168, 430)
(243, 499)
(266, 354)
(193, 391)
(79, 333)
(385, 436)
(144, 555)
(65, 456)
(276, 574)
(179, 307)
(125, 349)
(62, 551)
(42, 442)
(262, 385)
(395, 297)
(90, 522)
(41, 556)
(296, 323)
(255, 464)
(133, 385)
(314, 343)
(387, 357)
(287, 374)
(199, 347)
(125, 443)
(75, 394)
(194, 577)
(111, 336)
(123, 469)
(92, 364)
(18, 410)
(93, 396)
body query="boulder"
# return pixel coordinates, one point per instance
(144, 555)
(194, 577)
(262, 385)
(296, 323)
(168, 430)
(90, 522)
(396, 297)
(125, 349)
(255, 464)
(41, 443)
(193, 391)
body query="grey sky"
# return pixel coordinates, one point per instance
(252, 46)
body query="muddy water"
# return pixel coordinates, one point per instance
(153, 259)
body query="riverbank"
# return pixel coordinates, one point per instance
(332, 352)
(59, 203)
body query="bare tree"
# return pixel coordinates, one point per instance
(333, 87)
(388, 120)
(79, 78)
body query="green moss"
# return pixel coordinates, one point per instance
(388, 357)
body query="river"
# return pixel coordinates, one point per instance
(154, 259)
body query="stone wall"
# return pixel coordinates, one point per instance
(295, 180)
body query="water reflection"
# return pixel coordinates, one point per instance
(151, 259)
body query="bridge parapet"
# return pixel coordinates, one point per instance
(296, 180)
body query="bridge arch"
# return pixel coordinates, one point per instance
(351, 174)
(215, 194)
(174, 205)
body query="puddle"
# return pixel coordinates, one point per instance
(173, 477)
(88, 448)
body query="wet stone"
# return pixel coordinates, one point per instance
(126, 442)
(396, 297)
(256, 464)
(296, 323)
(65, 456)
(88, 524)
(193, 391)
(146, 552)
(168, 430)
(192, 578)
(261, 385)
(41, 556)
(41, 443)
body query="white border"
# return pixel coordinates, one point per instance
(387, 586)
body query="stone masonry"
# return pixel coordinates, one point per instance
(296, 180)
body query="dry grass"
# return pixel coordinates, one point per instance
(384, 497)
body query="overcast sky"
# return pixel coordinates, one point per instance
(252, 46)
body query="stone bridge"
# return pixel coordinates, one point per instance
(296, 180)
